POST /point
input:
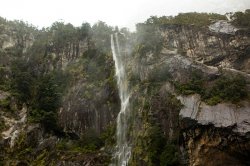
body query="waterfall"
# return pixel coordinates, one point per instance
(123, 150)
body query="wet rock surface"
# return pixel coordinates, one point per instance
(220, 115)
(223, 27)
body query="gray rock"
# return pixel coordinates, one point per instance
(220, 115)
(223, 26)
(4, 95)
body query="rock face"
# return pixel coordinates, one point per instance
(80, 114)
(13, 125)
(89, 104)
(208, 145)
(221, 130)
(209, 135)
(213, 48)
(212, 135)
(163, 124)
(223, 27)
(221, 115)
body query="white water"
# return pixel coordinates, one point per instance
(123, 151)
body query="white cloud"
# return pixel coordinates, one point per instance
(114, 12)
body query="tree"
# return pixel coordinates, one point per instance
(101, 36)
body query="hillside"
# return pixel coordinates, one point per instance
(180, 96)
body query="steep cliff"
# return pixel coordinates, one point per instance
(188, 84)
(58, 98)
(191, 99)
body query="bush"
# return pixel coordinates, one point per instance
(90, 141)
(192, 18)
(169, 156)
(227, 89)
(224, 89)
(108, 136)
(242, 18)
(149, 39)
(195, 85)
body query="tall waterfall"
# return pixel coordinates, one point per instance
(123, 151)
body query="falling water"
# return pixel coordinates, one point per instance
(123, 151)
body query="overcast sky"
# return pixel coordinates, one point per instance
(124, 13)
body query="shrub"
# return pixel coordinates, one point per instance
(192, 18)
(90, 141)
(195, 85)
(227, 89)
(108, 136)
(223, 89)
(242, 18)
(169, 156)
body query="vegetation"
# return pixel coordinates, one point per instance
(148, 36)
(87, 144)
(224, 89)
(169, 156)
(152, 145)
(108, 136)
(192, 18)
(241, 18)
(35, 75)
(2, 126)
(148, 39)
(42, 93)
(195, 85)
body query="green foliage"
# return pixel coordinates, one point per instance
(36, 79)
(47, 97)
(192, 18)
(241, 18)
(223, 89)
(151, 138)
(169, 156)
(160, 74)
(149, 39)
(150, 146)
(2, 126)
(108, 135)
(101, 36)
(41, 158)
(227, 89)
(62, 34)
(155, 144)
(4, 80)
(84, 31)
(5, 103)
(21, 80)
(88, 143)
(195, 85)
(42, 92)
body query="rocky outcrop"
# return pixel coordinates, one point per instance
(223, 26)
(218, 134)
(209, 145)
(213, 48)
(164, 123)
(215, 132)
(222, 115)
(89, 101)
(82, 111)
(14, 125)
(208, 134)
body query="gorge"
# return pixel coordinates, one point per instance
(175, 92)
